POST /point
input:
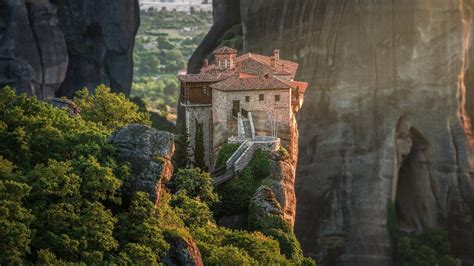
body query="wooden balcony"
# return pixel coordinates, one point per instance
(196, 100)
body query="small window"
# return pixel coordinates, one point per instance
(277, 98)
(261, 97)
(247, 99)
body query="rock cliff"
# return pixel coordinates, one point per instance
(149, 153)
(388, 117)
(53, 48)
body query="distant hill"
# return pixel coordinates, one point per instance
(179, 5)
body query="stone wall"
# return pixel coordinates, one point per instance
(270, 145)
(262, 112)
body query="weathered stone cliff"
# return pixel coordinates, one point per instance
(53, 48)
(149, 153)
(388, 116)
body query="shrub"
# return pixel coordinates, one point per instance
(260, 165)
(235, 194)
(111, 110)
(196, 183)
(224, 154)
(193, 213)
(428, 248)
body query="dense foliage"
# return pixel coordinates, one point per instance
(195, 183)
(236, 193)
(225, 153)
(109, 109)
(428, 248)
(61, 187)
(65, 174)
(236, 198)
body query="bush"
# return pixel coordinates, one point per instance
(429, 248)
(260, 165)
(193, 213)
(195, 183)
(111, 110)
(224, 154)
(236, 193)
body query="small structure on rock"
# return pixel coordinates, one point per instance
(248, 99)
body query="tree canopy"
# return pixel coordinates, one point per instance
(61, 191)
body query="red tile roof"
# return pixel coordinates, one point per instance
(249, 73)
(280, 65)
(245, 75)
(205, 77)
(225, 50)
(250, 83)
(255, 64)
(303, 86)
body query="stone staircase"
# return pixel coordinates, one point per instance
(244, 153)
(227, 172)
(247, 128)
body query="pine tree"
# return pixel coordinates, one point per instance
(199, 161)
(181, 156)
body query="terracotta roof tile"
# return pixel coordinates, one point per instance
(248, 73)
(250, 83)
(225, 50)
(303, 86)
(255, 64)
(205, 77)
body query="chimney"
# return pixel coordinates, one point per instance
(206, 63)
(276, 54)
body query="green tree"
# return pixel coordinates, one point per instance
(109, 109)
(195, 183)
(68, 223)
(192, 212)
(15, 219)
(181, 156)
(199, 151)
(139, 231)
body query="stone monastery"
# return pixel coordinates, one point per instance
(244, 99)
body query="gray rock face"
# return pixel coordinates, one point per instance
(100, 35)
(388, 116)
(264, 202)
(33, 56)
(53, 48)
(183, 252)
(67, 104)
(226, 14)
(149, 153)
(282, 182)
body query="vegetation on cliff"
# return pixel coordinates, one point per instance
(431, 247)
(248, 195)
(62, 187)
(225, 152)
